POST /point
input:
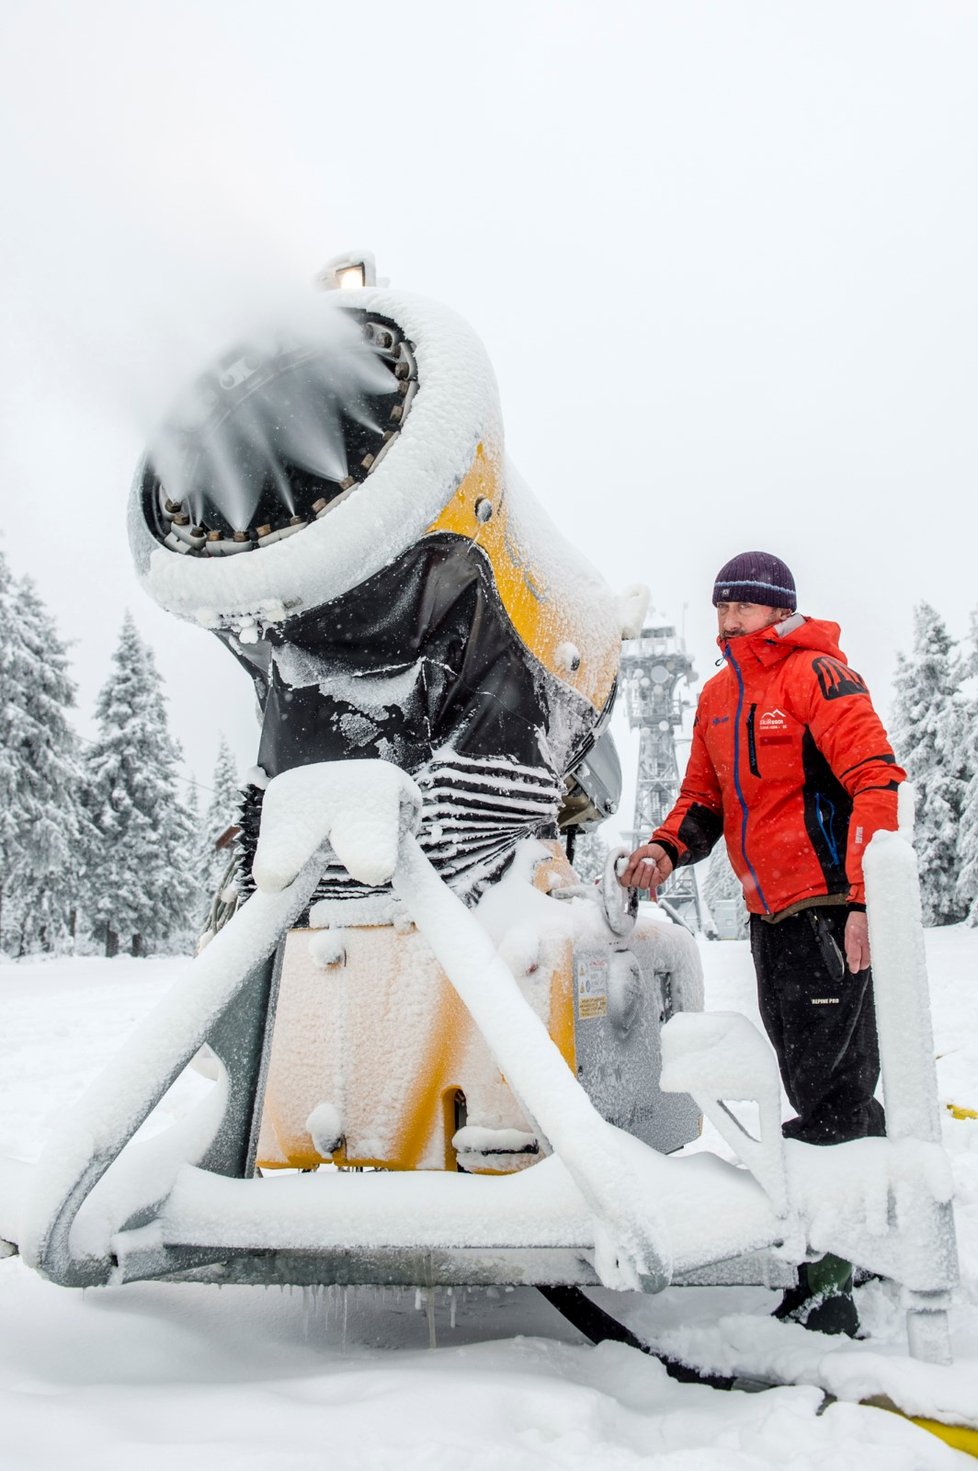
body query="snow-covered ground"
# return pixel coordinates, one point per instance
(151, 1375)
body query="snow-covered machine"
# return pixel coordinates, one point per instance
(403, 601)
(440, 1058)
(435, 669)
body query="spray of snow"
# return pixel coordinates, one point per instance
(326, 371)
(455, 410)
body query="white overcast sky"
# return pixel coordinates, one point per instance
(723, 253)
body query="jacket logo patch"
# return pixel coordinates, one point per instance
(719, 719)
(836, 680)
(772, 720)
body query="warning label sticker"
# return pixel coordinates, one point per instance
(592, 986)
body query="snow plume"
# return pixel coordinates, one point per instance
(181, 218)
(456, 408)
(269, 416)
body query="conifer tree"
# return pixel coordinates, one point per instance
(60, 834)
(41, 821)
(143, 885)
(12, 735)
(221, 814)
(967, 881)
(590, 856)
(930, 739)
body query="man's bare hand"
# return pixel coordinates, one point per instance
(857, 942)
(647, 868)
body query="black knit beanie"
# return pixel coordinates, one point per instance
(755, 577)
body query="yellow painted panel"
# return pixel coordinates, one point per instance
(437, 1075)
(385, 1040)
(561, 1019)
(542, 616)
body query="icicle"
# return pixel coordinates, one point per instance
(430, 1310)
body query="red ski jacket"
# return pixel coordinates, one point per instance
(791, 763)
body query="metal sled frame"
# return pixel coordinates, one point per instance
(602, 1207)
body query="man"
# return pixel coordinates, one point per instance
(790, 763)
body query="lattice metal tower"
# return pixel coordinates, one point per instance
(653, 666)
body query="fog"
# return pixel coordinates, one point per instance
(722, 257)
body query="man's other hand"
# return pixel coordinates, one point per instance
(857, 942)
(647, 868)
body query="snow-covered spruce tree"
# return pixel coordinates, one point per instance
(13, 674)
(221, 814)
(11, 846)
(590, 856)
(967, 883)
(930, 738)
(61, 837)
(42, 825)
(142, 886)
(723, 885)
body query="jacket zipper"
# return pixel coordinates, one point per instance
(827, 827)
(755, 770)
(737, 787)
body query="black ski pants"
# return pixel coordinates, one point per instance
(822, 1023)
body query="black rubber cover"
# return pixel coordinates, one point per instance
(476, 687)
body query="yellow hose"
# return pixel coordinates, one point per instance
(959, 1436)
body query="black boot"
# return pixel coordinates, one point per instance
(822, 1298)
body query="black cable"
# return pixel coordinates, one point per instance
(599, 1327)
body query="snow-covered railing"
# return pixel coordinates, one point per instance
(122, 1097)
(903, 1021)
(883, 1203)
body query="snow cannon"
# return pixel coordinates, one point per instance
(435, 1052)
(334, 502)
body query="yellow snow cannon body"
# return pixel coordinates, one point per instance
(400, 595)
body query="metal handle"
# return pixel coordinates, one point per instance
(619, 906)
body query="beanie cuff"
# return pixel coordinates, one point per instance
(768, 594)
